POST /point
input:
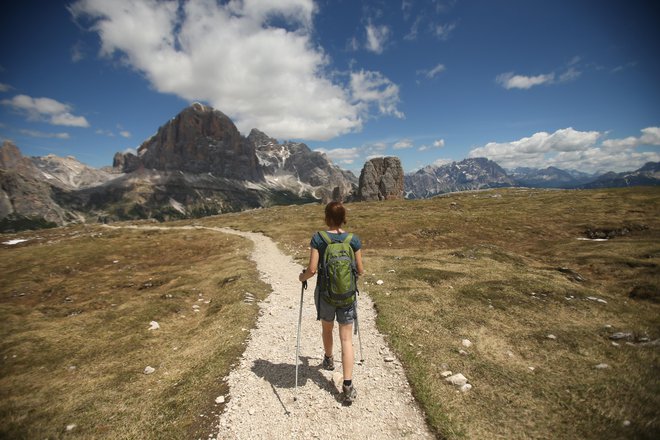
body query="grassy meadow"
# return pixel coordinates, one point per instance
(76, 306)
(502, 268)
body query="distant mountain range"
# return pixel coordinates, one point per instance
(481, 173)
(198, 164)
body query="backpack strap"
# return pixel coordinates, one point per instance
(324, 235)
(348, 239)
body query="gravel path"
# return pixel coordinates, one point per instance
(261, 387)
(260, 404)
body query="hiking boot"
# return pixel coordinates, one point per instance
(328, 363)
(349, 394)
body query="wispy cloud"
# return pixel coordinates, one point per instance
(437, 144)
(77, 52)
(433, 72)
(172, 47)
(443, 31)
(573, 149)
(403, 144)
(510, 80)
(377, 37)
(373, 89)
(41, 134)
(4, 87)
(341, 155)
(125, 134)
(45, 109)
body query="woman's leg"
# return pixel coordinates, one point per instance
(346, 337)
(326, 334)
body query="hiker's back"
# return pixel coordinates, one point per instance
(337, 267)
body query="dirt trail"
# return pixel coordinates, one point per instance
(260, 404)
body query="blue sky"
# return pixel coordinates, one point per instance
(539, 83)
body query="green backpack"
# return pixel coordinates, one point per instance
(338, 272)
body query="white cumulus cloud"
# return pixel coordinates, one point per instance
(650, 136)
(46, 109)
(256, 60)
(572, 149)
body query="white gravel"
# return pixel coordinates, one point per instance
(261, 388)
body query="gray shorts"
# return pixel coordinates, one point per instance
(328, 312)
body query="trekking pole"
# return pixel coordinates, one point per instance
(357, 328)
(302, 292)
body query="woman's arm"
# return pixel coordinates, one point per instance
(358, 262)
(312, 267)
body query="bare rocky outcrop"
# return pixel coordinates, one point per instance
(381, 179)
(198, 140)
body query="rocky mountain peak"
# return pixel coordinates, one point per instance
(199, 139)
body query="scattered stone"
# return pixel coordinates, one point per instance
(466, 343)
(391, 271)
(71, 427)
(531, 368)
(446, 374)
(600, 300)
(153, 325)
(626, 423)
(616, 344)
(553, 337)
(465, 388)
(115, 262)
(251, 411)
(457, 379)
(621, 335)
(220, 399)
(601, 366)
(462, 352)
(379, 282)
(149, 370)
(389, 359)
(607, 326)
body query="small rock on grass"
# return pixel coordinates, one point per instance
(71, 427)
(466, 343)
(457, 379)
(446, 373)
(465, 388)
(153, 325)
(149, 370)
(389, 359)
(220, 399)
(601, 366)
(553, 337)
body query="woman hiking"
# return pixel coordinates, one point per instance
(327, 309)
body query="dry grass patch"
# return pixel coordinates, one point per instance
(76, 305)
(505, 269)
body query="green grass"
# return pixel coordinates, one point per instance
(502, 268)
